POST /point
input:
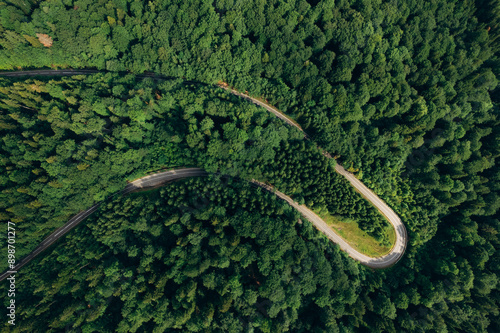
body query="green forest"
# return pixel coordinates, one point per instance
(402, 93)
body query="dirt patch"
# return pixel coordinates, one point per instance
(45, 39)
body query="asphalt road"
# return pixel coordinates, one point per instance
(160, 178)
(269, 108)
(141, 183)
(401, 235)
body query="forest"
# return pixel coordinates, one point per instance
(220, 266)
(402, 93)
(77, 140)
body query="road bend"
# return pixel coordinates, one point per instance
(163, 177)
(146, 182)
(399, 246)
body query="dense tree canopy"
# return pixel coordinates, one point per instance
(160, 262)
(403, 93)
(71, 142)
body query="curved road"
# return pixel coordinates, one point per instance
(163, 177)
(401, 234)
(141, 183)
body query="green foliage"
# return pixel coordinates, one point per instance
(403, 93)
(248, 268)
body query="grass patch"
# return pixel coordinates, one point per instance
(361, 241)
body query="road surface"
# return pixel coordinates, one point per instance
(401, 235)
(141, 183)
(158, 179)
